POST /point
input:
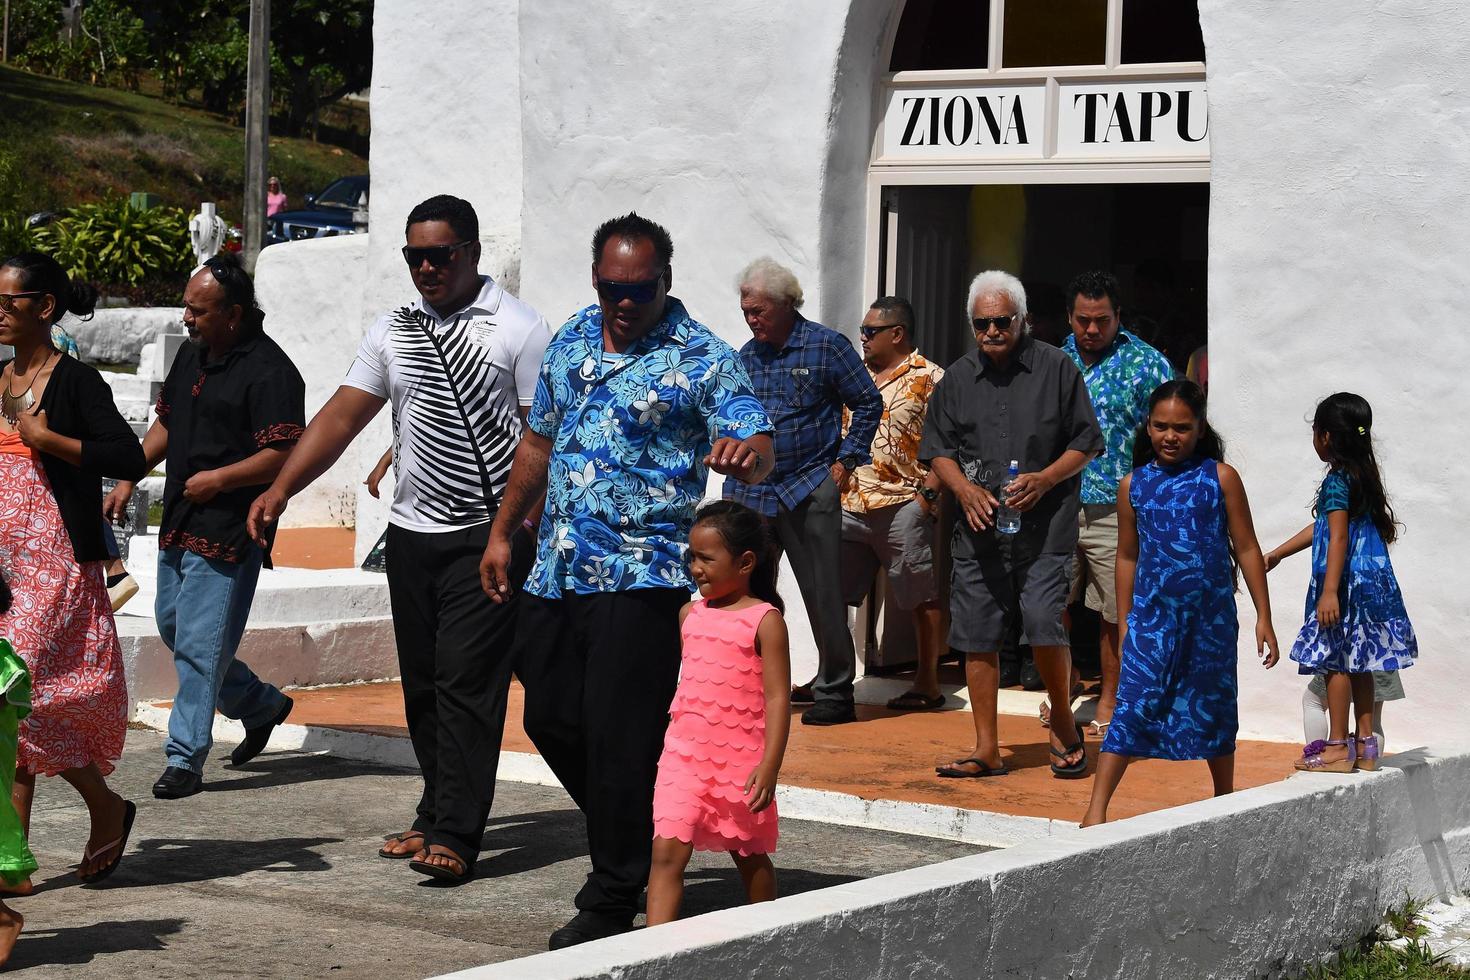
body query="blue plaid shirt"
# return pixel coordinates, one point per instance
(629, 436)
(804, 387)
(1119, 386)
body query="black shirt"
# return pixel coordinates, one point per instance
(78, 404)
(1032, 410)
(218, 413)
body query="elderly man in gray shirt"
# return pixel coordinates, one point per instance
(1011, 399)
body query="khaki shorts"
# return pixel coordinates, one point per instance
(897, 539)
(1094, 572)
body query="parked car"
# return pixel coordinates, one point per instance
(325, 215)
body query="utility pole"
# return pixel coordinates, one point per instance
(257, 128)
(5, 52)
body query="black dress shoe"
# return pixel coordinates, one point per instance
(1010, 671)
(587, 926)
(255, 738)
(829, 713)
(1031, 678)
(177, 783)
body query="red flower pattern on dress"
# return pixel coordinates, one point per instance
(198, 385)
(280, 432)
(161, 407)
(198, 545)
(60, 622)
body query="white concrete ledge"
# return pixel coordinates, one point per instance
(1253, 884)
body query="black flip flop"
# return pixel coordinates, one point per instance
(914, 701)
(130, 813)
(1078, 769)
(402, 838)
(442, 873)
(952, 771)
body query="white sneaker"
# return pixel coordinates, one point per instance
(121, 588)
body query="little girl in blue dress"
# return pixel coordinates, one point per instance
(1355, 618)
(1184, 530)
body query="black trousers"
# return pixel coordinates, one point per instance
(600, 672)
(455, 652)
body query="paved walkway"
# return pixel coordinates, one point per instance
(887, 755)
(272, 872)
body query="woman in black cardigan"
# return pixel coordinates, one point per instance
(60, 433)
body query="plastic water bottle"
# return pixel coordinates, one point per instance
(1008, 519)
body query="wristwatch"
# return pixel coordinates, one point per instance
(929, 494)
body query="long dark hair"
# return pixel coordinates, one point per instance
(1347, 421)
(1210, 445)
(743, 530)
(43, 274)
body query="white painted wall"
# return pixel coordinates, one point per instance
(1259, 883)
(1338, 262)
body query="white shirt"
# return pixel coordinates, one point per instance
(447, 378)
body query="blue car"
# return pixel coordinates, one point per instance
(325, 215)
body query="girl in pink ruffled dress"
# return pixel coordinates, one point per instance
(716, 788)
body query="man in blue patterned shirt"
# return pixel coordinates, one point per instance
(636, 402)
(805, 374)
(1121, 372)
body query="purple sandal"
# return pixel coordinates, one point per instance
(1367, 751)
(1311, 760)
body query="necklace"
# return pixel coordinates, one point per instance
(13, 405)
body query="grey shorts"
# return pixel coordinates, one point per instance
(989, 590)
(898, 539)
(1386, 686)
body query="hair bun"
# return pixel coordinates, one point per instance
(81, 299)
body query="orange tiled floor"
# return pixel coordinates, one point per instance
(314, 547)
(887, 755)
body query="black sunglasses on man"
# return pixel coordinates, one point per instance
(437, 256)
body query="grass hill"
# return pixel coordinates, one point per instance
(63, 143)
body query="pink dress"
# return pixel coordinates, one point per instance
(60, 622)
(716, 737)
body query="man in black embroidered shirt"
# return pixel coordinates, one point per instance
(229, 413)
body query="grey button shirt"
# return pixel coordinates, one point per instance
(1033, 410)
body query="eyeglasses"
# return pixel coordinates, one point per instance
(7, 300)
(870, 332)
(637, 292)
(1000, 323)
(437, 256)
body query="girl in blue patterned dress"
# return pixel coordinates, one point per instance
(1355, 618)
(1184, 530)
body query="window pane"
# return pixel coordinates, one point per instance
(942, 34)
(1161, 30)
(1055, 32)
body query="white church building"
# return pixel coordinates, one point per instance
(1284, 181)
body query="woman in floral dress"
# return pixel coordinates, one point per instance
(59, 434)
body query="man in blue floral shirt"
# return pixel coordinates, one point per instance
(636, 403)
(1121, 372)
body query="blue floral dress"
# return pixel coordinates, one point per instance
(1374, 632)
(1177, 686)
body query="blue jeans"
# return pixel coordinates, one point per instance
(215, 596)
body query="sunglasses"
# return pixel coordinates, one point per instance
(636, 292)
(7, 300)
(870, 332)
(437, 256)
(1000, 323)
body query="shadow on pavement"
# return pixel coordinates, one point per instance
(710, 889)
(522, 842)
(286, 770)
(82, 944)
(174, 861)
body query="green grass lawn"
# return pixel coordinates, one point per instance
(74, 143)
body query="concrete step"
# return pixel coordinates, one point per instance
(282, 596)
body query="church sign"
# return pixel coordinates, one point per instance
(1166, 119)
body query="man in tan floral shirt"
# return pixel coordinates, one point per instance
(889, 504)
